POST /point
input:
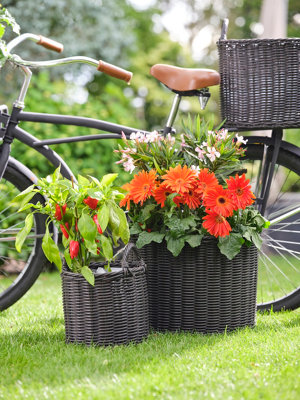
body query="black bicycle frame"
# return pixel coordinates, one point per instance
(12, 131)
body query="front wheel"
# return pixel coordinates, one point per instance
(279, 257)
(18, 271)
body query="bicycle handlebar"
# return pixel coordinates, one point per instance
(50, 44)
(114, 71)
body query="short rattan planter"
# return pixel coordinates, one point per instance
(260, 83)
(200, 290)
(114, 311)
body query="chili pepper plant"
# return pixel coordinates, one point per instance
(87, 214)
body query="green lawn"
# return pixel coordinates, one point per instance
(259, 363)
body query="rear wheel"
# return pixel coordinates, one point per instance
(18, 271)
(279, 257)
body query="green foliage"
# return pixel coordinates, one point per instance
(76, 209)
(6, 20)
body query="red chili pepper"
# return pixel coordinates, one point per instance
(74, 248)
(148, 230)
(76, 225)
(92, 203)
(57, 214)
(98, 250)
(95, 218)
(63, 229)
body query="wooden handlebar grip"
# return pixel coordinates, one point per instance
(50, 44)
(114, 71)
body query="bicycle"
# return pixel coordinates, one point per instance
(266, 158)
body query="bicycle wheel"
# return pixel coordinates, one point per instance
(279, 257)
(18, 271)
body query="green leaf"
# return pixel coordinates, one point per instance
(88, 275)
(256, 239)
(68, 258)
(147, 211)
(108, 179)
(106, 247)
(194, 240)
(175, 245)
(23, 194)
(22, 234)
(114, 220)
(135, 229)
(51, 250)
(2, 30)
(123, 230)
(87, 227)
(230, 245)
(103, 216)
(82, 181)
(148, 237)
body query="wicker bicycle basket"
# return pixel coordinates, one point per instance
(200, 290)
(114, 311)
(260, 83)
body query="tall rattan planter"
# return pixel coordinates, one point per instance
(200, 290)
(260, 83)
(114, 311)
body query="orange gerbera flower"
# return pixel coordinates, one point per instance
(206, 181)
(192, 199)
(160, 194)
(142, 186)
(217, 200)
(180, 179)
(126, 200)
(216, 224)
(239, 191)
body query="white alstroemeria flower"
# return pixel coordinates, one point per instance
(212, 153)
(129, 165)
(240, 139)
(153, 136)
(195, 168)
(223, 134)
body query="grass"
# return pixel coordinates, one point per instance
(259, 363)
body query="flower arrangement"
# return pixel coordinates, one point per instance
(188, 187)
(86, 213)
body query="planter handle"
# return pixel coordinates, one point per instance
(127, 249)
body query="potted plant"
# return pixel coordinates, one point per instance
(192, 215)
(105, 300)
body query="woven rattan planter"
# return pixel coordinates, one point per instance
(114, 311)
(200, 290)
(260, 83)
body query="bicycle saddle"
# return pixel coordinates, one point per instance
(184, 79)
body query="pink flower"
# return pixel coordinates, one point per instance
(200, 152)
(212, 153)
(240, 139)
(129, 165)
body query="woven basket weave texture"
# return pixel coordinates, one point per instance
(260, 83)
(200, 290)
(114, 311)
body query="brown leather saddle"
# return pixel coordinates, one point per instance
(185, 80)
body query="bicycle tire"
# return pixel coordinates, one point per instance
(18, 272)
(279, 258)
